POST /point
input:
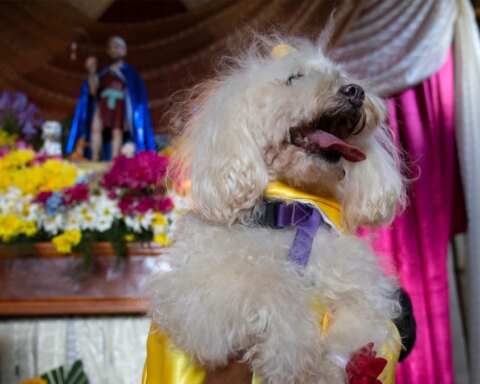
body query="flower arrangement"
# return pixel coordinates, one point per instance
(49, 199)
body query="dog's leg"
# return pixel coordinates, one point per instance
(290, 350)
(361, 298)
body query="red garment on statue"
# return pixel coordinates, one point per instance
(112, 101)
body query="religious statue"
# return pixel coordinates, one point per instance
(112, 109)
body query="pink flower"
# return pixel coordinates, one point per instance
(112, 194)
(42, 197)
(75, 194)
(4, 151)
(139, 179)
(22, 144)
(126, 204)
(164, 204)
(144, 204)
(145, 170)
(42, 157)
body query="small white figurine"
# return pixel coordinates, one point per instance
(52, 137)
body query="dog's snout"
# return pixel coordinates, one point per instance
(354, 93)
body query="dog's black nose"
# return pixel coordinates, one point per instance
(354, 92)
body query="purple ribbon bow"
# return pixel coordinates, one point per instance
(307, 220)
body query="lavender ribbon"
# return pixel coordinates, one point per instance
(307, 220)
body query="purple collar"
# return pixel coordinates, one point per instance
(305, 217)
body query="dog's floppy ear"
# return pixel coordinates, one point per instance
(221, 149)
(373, 189)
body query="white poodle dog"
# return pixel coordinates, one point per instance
(231, 290)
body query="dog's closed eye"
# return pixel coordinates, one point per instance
(294, 77)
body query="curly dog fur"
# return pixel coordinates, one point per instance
(230, 291)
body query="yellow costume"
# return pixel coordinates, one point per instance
(167, 365)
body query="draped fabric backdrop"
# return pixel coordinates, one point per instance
(467, 119)
(395, 44)
(416, 243)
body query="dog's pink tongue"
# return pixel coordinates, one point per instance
(328, 141)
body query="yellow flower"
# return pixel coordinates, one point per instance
(58, 175)
(7, 138)
(28, 180)
(12, 226)
(159, 219)
(64, 242)
(162, 239)
(129, 237)
(52, 175)
(30, 228)
(36, 380)
(16, 159)
(5, 180)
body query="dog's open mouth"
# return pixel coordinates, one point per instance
(325, 136)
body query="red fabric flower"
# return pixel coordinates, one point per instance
(364, 366)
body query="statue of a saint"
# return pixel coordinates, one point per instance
(112, 108)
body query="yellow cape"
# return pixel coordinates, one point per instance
(165, 364)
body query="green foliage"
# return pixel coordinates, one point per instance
(115, 235)
(76, 375)
(11, 124)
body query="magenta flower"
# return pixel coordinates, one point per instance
(5, 150)
(144, 204)
(42, 157)
(145, 170)
(112, 194)
(126, 204)
(42, 197)
(22, 144)
(140, 180)
(75, 194)
(164, 204)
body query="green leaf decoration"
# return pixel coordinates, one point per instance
(76, 375)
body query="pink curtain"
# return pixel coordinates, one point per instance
(422, 118)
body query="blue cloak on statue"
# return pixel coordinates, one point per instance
(137, 115)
